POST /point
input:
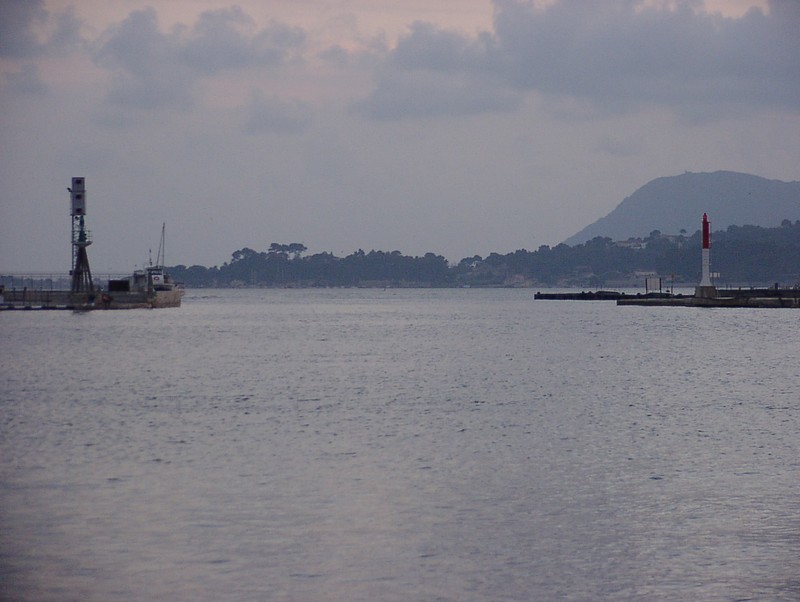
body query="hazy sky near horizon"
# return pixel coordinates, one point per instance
(459, 127)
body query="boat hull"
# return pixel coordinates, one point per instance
(139, 300)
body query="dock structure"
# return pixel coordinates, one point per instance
(781, 298)
(706, 293)
(581, 296)
(748, 297)
(26, 299)
(81, 238)
(596, 296)
(149, 288)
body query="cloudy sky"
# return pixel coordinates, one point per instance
(460, 127)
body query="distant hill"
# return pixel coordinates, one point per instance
(674, 203)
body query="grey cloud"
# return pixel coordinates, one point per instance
(25, 82)
(66, 33)
(427, 47)
(433, 72)
(58, 32)
(426, 93)
(275, 115)
(224, 39)
(148, 72)
(617, 147)
(336, 55)
(373, 53)
(154, 69)
(18, 21)
(622, 54)
(616, 55)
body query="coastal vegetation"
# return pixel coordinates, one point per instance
(742, 255)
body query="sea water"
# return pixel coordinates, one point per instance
(430, 445)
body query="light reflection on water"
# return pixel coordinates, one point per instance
(400, 445)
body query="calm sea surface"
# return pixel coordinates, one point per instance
(400, 445)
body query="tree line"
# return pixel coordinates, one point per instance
(743, 255)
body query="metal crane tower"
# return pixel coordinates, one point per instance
(81, 238)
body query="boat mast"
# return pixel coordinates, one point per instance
(161, 248)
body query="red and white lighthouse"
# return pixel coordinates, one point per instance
(706, 288)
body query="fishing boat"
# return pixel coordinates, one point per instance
(151, 287)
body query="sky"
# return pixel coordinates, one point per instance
(458, 127)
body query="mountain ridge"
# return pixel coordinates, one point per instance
(674, 203)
